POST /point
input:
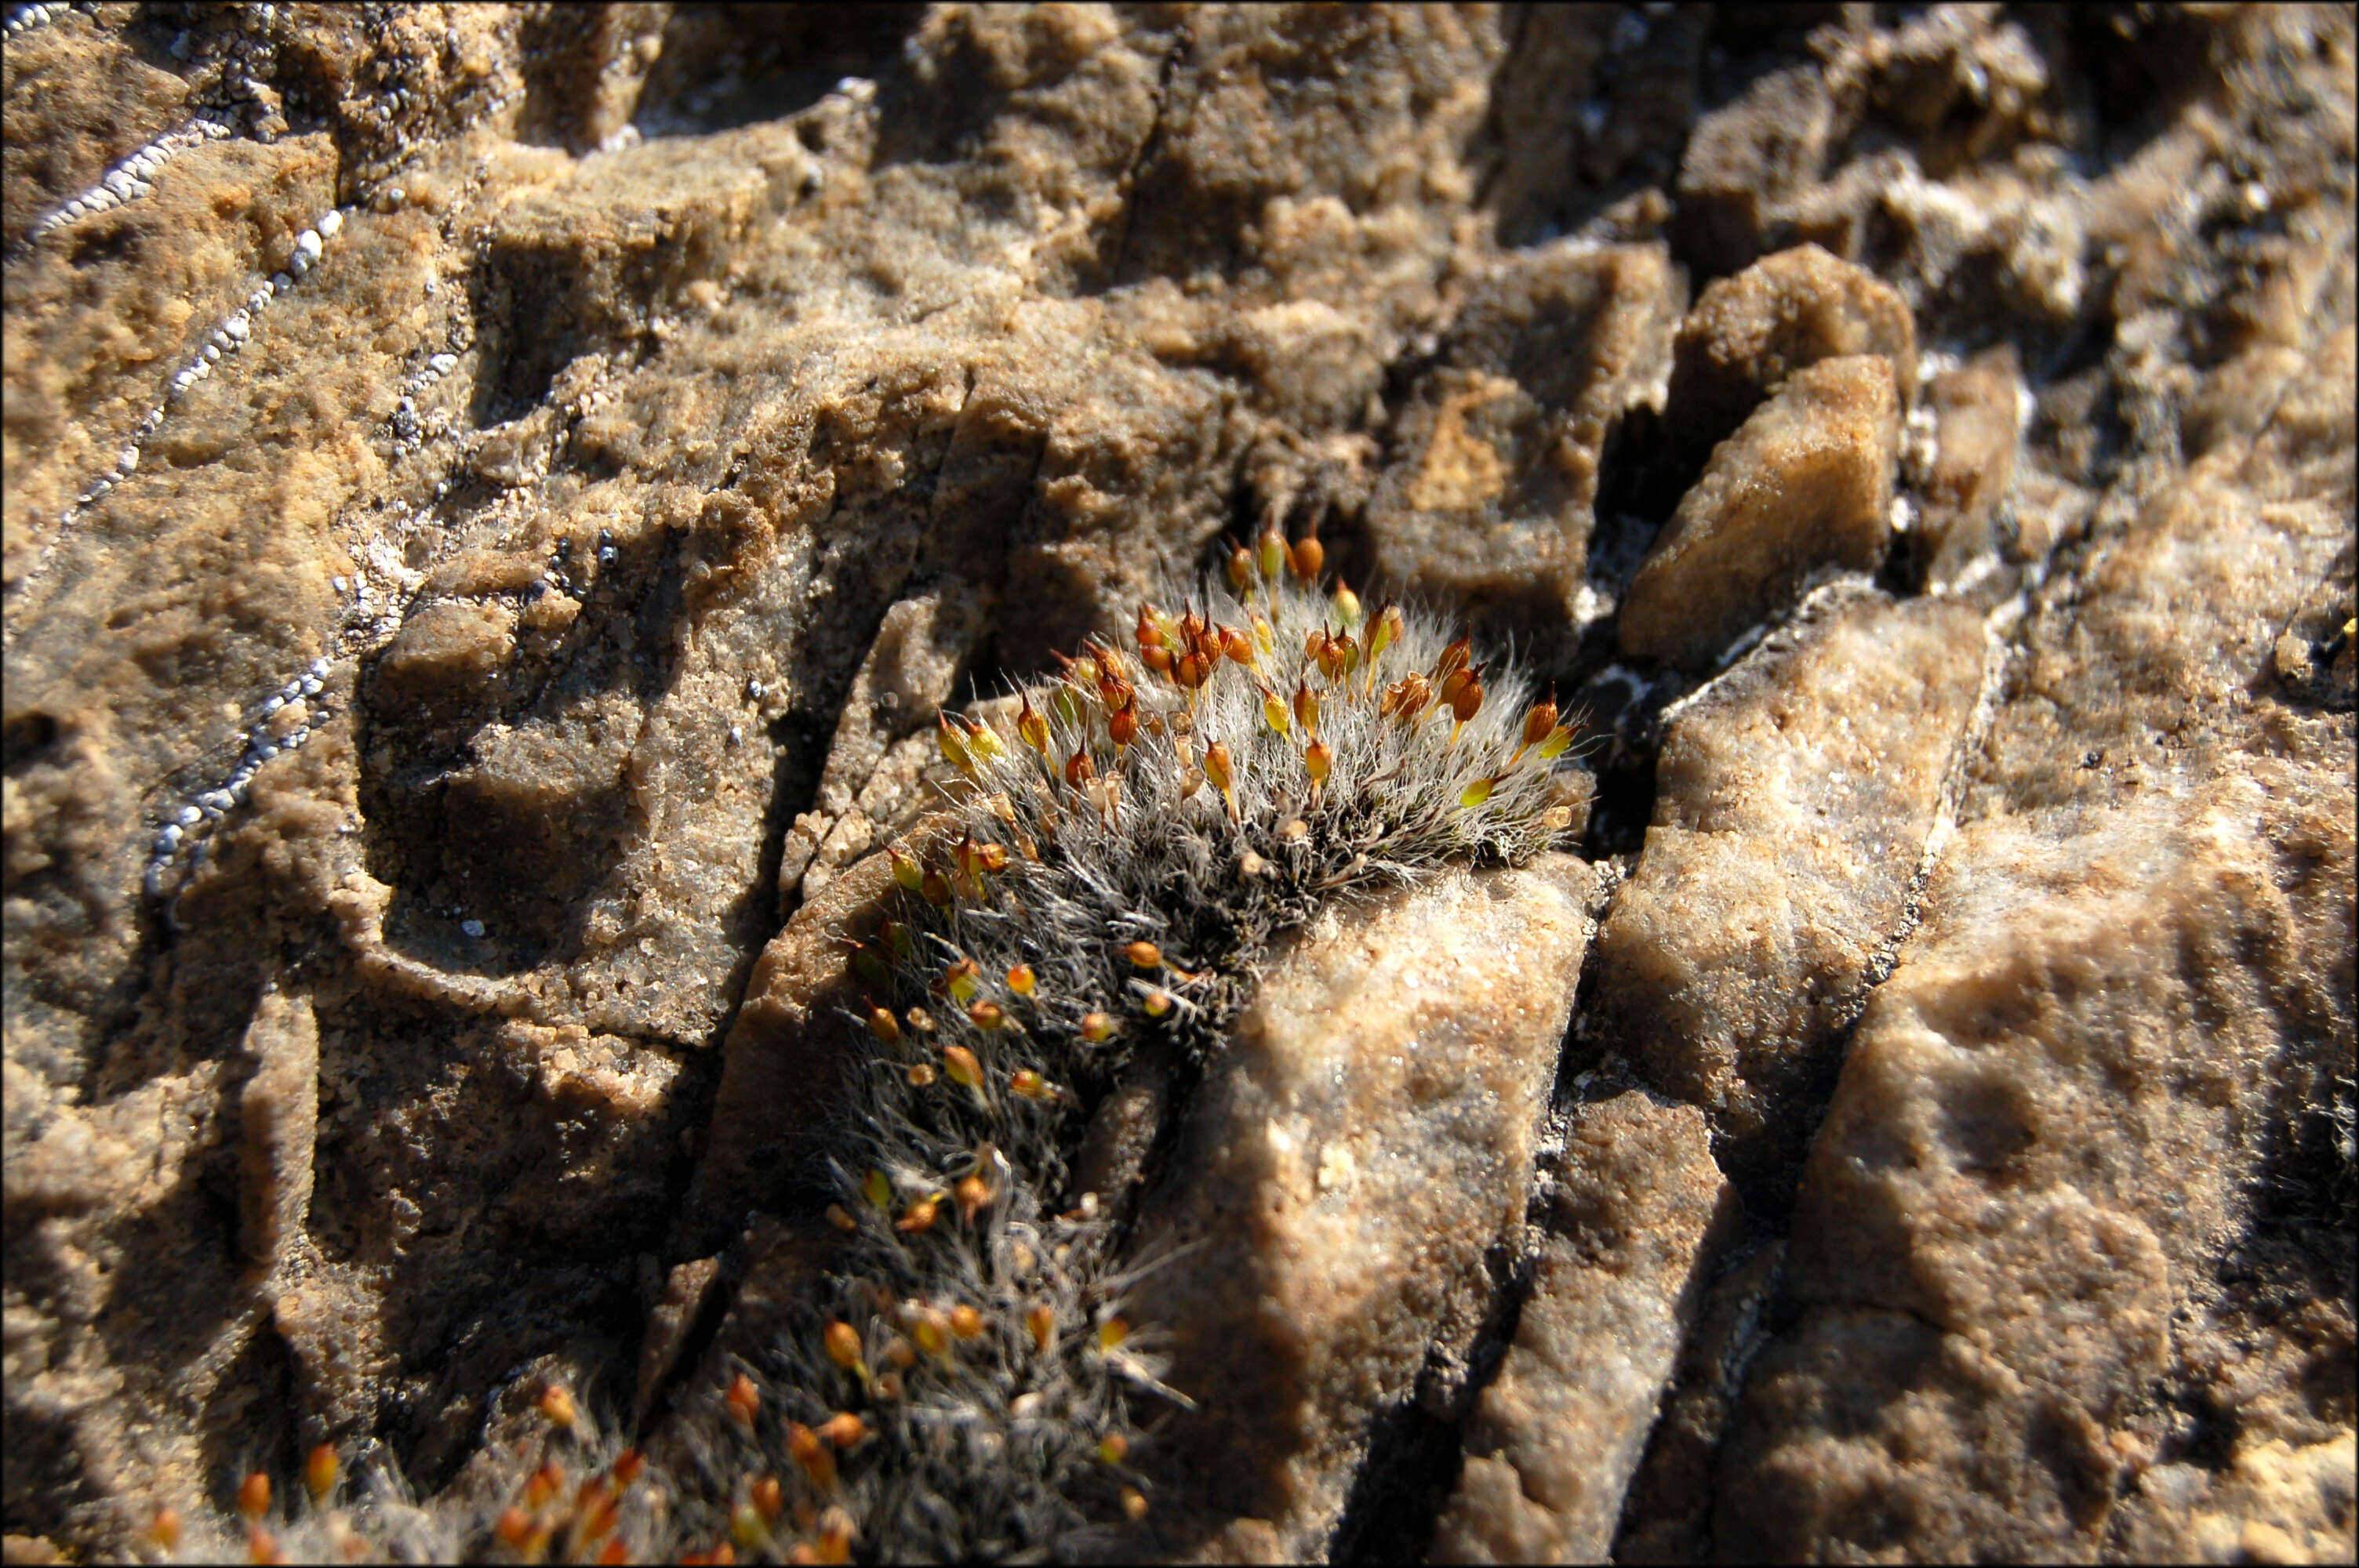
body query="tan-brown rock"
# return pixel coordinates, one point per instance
(2039, 1139)
(1749, 333)
(1494, 504)
(1366, 1136)
(278, 1116)
(787, 1048)
(1747, 158)
(1640, 1212)
(1795, 797)
(1976, 413)
(1805, 485)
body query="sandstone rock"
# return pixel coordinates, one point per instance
(1747, 158)
(1805, 484)
(688, 1292)
(1639, 1212)
(1796, 799)
(1660, 1522)
(1339, 1178)
(897, 692)
(2033, 1151)
(279, 1113)
(1749, 334)
(1975, 415)
(787, 1047)
(1495, 509)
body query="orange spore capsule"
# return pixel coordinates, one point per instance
(744, 1400)
(515, 1526)
(812, 1454)
(1273, 553)
(253, 1494)
(836, 1534)
(973, 1194)
(1030, 728)
(1042, 1322)
(841, 1342)
(965, 1322)
(844, 1430)
(1309, 555)
(768, 1497)
(964, 1069)
(164, 1529)
(320, 1471)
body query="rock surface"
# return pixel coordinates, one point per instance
(1805, 485)
(1796, 802)
(1640, 1212)
(1363, 1144)
(493, 495)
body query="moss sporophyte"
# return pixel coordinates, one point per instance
(968, 1379)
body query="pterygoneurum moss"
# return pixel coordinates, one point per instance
(1124, 846)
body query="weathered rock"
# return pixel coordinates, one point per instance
(1748, 334)
(1493, 507)
(1367, 1138)
(2064, 1168)
(1976, 414)
(1638, 1212)
(1795, 798)
(1805, 484)
(786, 1049)
(2046, 1125)
(278, 1115)
(1661, 1521)
(900, 688)
(1746, 159)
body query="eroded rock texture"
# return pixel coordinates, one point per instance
(495, 496)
